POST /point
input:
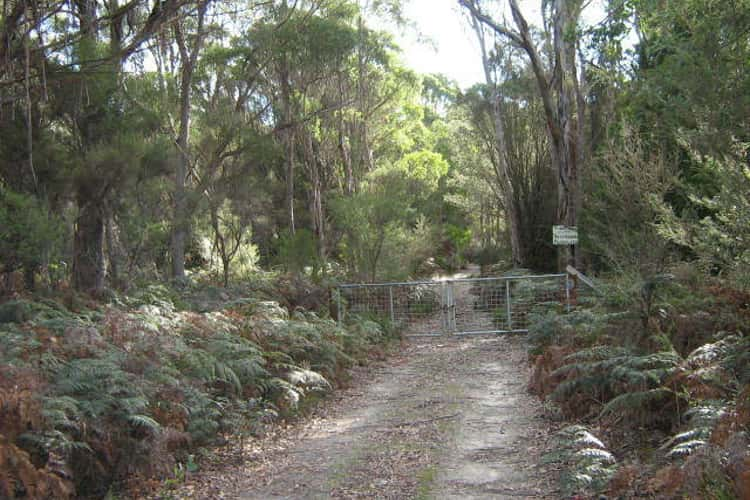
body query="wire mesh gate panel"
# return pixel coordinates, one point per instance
(489, 305)
(416, 306)
(460, 306)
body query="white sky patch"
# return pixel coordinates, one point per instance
(450, 47)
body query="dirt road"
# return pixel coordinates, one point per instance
(445, 418)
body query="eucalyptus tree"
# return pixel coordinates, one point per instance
(560, 87)
(327, 42)
(524, 182)
(227, 84)
(499, 152)
(189, 50)
(234, 146)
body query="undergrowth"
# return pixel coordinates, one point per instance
(586, 462)
(132, 390)
(666, 383)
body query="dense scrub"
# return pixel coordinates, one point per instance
(667, 393)
(93, 395)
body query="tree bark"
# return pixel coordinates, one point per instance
(569, 150)
(220, 244)
(564, 121)
(181, 223)
(88, 241)
(316, 196)
(288, 138)
(344, 149)
(112, 250)
(88, 249)
(511, 209)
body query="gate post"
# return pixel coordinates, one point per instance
(390, 305)
(340, 315)
(507, 305)
(444, 301)
(450, 313)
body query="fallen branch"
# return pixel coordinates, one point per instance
(429, 420)
(403, 424)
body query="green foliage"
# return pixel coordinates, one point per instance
(718, 239)
(625, 382)
(225, 362)
(372, 222)
(634, 403)
(100, 390)
(29, 234)
(582, 327)
(458, 240)
(488, 255)
(424, 169)
(626, 191)
(112, 389)
(737, 361)
(297, 252)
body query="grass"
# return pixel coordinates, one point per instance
(425, 481)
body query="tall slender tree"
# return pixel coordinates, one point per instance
(189, 50)
(561, 92)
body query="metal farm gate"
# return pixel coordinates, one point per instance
(458, 306)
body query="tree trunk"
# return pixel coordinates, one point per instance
(511, 209)
(365, 154)
(29, 277)
(225, 270)
(344, 149)
(88, 250)
(181, 223)
(220, 243)
(563, 123)
(88, 241)
(316, 197)
(112, 252)
(288, 137)
(568, 122)
(582, 146)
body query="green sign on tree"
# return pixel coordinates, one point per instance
(564, 235)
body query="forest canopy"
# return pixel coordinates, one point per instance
(184, 183)
(156, 140)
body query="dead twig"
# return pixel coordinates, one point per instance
(429, 420)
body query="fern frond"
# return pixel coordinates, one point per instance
(636, 401)
(307, 378)
(144, 422)
(596, 454)
(706, 414)
(686, 448)
(711, 353)
(588, 466)
(224, 373)
(585, 438)
(598, 353)
(280, 389)
(701, 422)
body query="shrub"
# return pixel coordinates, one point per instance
(138, 390)
(30, 235)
